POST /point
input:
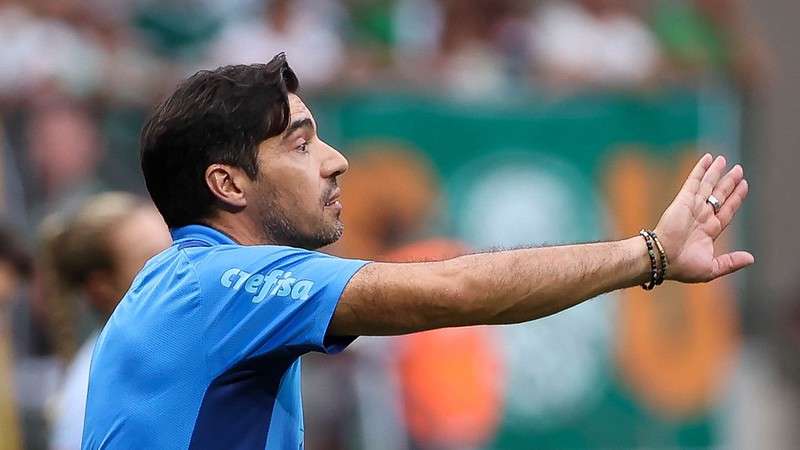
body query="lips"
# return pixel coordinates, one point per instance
(335, 195)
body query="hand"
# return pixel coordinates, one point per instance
(689, 228)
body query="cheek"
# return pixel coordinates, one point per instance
(292, 200)
(294, 183)
(303, 184)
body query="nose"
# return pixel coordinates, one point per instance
(334, 163)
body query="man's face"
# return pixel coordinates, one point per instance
(296, 196)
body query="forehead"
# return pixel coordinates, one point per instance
(297, 109)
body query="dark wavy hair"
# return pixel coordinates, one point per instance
(214, 117)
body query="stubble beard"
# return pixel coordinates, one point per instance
(281, 228)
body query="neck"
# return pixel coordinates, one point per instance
(240, 228)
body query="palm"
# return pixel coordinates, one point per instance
(689, 227)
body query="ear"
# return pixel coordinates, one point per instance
(227, 184)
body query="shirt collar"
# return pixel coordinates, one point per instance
(202, 233)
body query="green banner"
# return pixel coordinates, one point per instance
(622, 371)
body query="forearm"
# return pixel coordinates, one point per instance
(521, 285)
(490, 288)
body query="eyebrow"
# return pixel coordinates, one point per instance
(296, 125)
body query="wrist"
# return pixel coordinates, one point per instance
(668, 248)
(637, 260)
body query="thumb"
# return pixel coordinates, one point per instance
(731, 262)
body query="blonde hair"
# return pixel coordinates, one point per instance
(72, 247)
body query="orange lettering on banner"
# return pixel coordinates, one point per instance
(674, 343)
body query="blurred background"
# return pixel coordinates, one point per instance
(469, 124)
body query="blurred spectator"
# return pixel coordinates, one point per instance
(12, 196)
(178, 29)
(131, 75)
(456, 40)
(370, 38)
(64, 147)
(593, 43)
(468, 61)
(370, 22)
(306, 30)
(15, 266)
(94, 255)
(41, 50)
(709, 38)
(416, 27)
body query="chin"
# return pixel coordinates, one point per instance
(325, 236)
(335, 232)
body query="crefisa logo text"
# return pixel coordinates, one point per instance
(276, 283)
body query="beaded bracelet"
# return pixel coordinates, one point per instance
(662, 258)
(653, 265)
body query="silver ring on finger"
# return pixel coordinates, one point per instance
(715, 203)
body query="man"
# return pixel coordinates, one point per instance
(95, 254)
(203, 351)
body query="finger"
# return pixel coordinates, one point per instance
(725, 187)
(712, 176)
(692, 183)
(731, 262)
(732, 204)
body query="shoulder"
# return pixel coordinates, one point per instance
(217, 257)
(225, 264)
(267, 270)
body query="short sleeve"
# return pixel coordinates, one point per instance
(267, 299)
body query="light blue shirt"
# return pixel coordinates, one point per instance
(203, 351)
(70, 407)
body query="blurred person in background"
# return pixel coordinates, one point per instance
(179, 30)
(468, 60)
(416, 30)
(42, 41)
(456, 41)
(710, 39)
(90, 261)
(370, 37)
(15, 268)
(300, 27)
(58, 145)
(86, 50)
(64, 147)
(12, 196)
(132, 74)
(593, 43)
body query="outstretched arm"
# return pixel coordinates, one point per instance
(520, 285)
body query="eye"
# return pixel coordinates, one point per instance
(302, 148)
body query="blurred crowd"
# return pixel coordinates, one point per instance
(130, 51)
(77, 77)
(89, 70)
